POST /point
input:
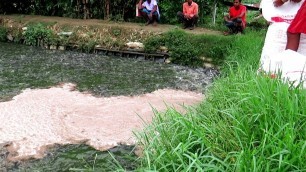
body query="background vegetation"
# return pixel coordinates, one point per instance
(183, 48)
(121, 10)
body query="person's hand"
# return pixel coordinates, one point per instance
(231, 19)
(150, 16)
(278, 3)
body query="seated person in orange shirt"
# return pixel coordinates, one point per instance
(236, 20)
(189, 17)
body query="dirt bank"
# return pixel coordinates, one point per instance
(25, 19)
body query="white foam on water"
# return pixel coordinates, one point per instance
(39, 118)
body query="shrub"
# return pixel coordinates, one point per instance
(153, 43)
(17, 35)
(3, 33)
(186, 54)
(187, 49)
(37, 33)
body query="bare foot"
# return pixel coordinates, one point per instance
(154, 23)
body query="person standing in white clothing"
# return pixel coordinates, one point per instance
(149, 10)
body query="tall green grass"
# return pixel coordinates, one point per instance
(248, 122)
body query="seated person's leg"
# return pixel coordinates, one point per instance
(194, 20)
(188, 23)
(145, 13)
(155, 18)
(230, 25)
(182, 19)
(238, 25)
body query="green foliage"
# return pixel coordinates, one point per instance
(119, 10)
(254, 120)
(87, 46)
(248, 122)
(255, 21)
(17, 34)
(182, 149)
(169, 10)
(3, 34)
(116, 31)
(63, 40)
(153, 43)
(245, 51)
(186, 54)
(189, 49)
(37, 33)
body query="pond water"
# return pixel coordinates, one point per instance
(23, 67)
(76, 157)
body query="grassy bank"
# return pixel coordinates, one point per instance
(247, 123)
(202, 48)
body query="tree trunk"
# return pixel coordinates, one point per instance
(106, 9)
(78, 8)
(85, 9)
(214, 12)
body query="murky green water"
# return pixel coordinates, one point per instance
(77, 158)
(24, 67)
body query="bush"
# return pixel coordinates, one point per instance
(3, 33)
(37, 33)
(188, 49)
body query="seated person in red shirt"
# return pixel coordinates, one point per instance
(236, 20)
(189, 16)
